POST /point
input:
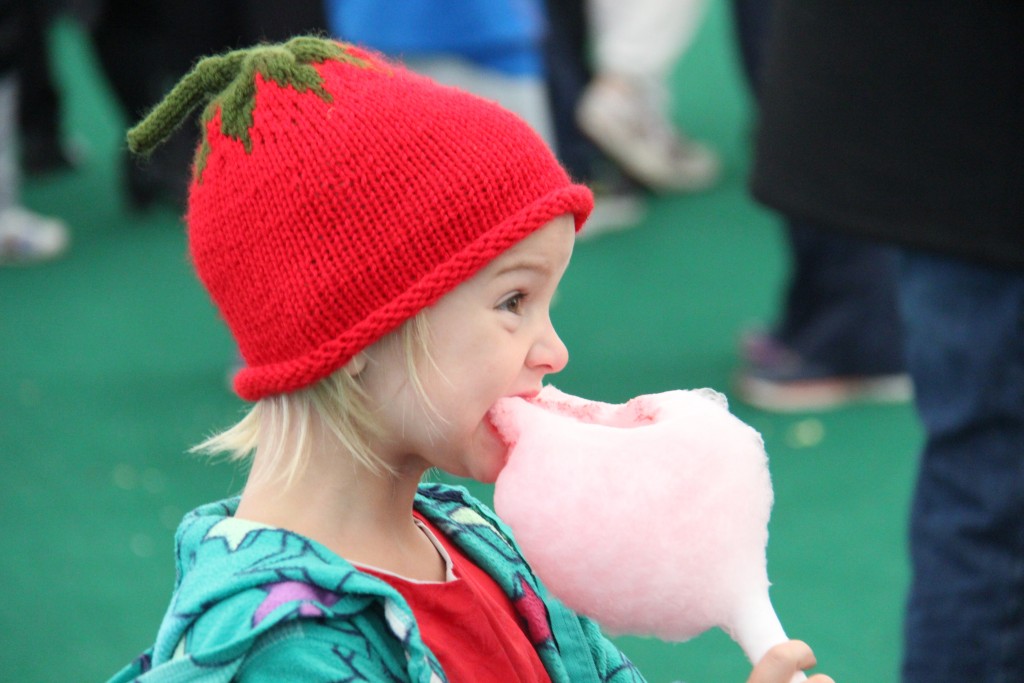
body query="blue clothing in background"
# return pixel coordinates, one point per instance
(500, 34)
(965, 351)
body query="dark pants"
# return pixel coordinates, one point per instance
(146, 46)
(751, 18)
(965, 351)
(839, 312)
(568, 73)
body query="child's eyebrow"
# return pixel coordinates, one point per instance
(535, 265)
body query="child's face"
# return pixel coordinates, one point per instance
(490, 337)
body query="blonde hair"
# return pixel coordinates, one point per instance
(282, 427)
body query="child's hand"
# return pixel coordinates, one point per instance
(784, 661)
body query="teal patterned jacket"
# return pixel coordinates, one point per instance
(255, 603)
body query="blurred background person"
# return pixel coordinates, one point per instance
(528, 55)
(25, 236)
(620, 202)
(145, 46)
(491, 48)
(838, 337)
(901, 122)
(42, 148)
(625, 108)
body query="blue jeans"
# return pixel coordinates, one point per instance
(964, 330)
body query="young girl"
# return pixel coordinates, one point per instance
(385, 252)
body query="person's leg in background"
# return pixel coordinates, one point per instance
(840, 306)
(838, 334)
(42, 149)
(144, 47)
(751, 18)
(625, 107)
(568, 72)
(965, 352)
(10, 178)
(642, 39)
(25, 236)
(619, 201)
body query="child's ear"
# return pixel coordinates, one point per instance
(356, 365)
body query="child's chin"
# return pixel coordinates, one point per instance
(487, 478)
(490, 459)
(487, 467)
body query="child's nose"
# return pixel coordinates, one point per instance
(548, 354)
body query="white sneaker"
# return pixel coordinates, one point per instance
(28, 237)
(624, 120)
(613, 212)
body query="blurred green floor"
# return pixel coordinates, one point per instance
(112, 364)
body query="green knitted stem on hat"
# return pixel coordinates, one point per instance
(228, 83)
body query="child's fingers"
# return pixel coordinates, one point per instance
(783, 661)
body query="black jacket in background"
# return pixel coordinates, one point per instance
(901, 121)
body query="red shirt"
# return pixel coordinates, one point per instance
(469, 623)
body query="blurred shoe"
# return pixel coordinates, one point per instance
(624, 119)
(27, 237)
(617, 207)
(776, 379)
(614, 213)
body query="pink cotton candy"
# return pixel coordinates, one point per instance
(650, 517)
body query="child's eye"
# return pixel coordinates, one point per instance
(513, 303)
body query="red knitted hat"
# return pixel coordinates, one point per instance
(335, 195)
